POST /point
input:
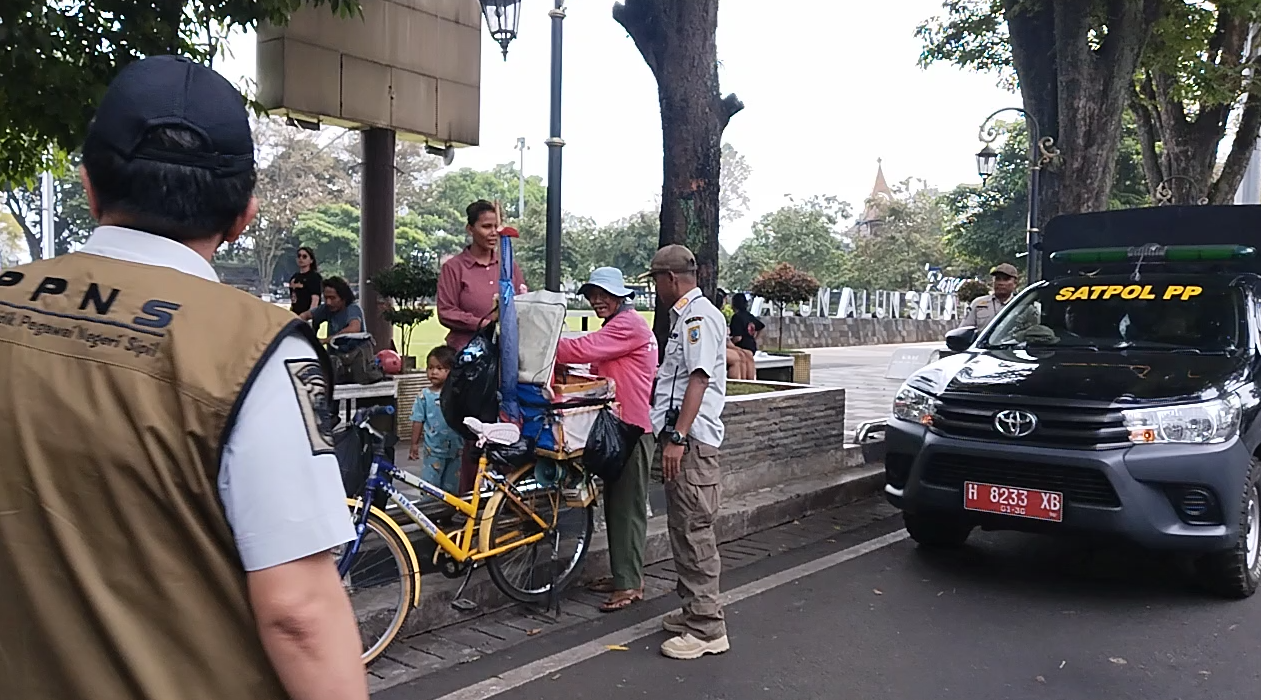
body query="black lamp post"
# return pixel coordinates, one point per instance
(502, 17)
(1042, 151)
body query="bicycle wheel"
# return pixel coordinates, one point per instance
(524, 574)
(380, 584)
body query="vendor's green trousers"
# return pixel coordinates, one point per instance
(626, 516)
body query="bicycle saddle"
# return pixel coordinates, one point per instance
(498, 433)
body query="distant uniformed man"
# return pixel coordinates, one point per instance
(686, 416)
(983, 309)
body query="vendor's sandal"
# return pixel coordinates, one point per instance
(602, 585)
(621, 600)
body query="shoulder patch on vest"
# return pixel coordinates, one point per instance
(311, 388)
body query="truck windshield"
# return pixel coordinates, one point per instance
(1179, 314)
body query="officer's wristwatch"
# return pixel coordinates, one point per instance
(678, 438)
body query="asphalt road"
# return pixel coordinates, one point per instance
(1010, 616)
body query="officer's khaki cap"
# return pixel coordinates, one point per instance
(673, 258)
(1005, 269)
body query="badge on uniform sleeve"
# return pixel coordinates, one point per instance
(694, 334)
(311, 387)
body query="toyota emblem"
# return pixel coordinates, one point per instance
(1015, 423)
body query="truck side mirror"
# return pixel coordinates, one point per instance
(961, 339)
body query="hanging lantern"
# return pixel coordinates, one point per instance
(502, 18)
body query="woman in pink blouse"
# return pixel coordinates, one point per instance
(624, 350)
(468, 287)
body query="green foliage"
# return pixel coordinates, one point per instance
(802, 234)
(72, 221)
(332, 231)
(971, 34)
(733, 201)
(971, 290)
(57, 58)
(987, 225)
(895, 254)
(408, 285)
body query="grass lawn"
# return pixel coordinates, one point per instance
(737, 388)
(431, 333)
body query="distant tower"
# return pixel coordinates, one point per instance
(876, 207)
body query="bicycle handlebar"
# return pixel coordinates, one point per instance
(363, 415)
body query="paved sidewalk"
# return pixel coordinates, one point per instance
(860, 370)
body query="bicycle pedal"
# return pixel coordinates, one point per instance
(464, 605)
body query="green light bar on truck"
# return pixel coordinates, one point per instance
(1173, 253)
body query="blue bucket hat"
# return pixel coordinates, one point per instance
(610, 280)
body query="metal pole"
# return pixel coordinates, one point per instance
(554, 145)
(1033, 234)
(47, 200)
(376, 226)
(521, 179)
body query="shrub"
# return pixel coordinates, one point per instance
(785, 284)
(971, 290)
(408, 286)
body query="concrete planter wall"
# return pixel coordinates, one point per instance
(816, 332)
(781, 436)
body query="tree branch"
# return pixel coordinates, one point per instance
(730, 106)
(637, 18)
(1227, 183)
(1147, 139)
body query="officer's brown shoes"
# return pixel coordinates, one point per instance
(685, 646)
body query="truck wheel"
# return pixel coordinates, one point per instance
(1236, 572)
(936, 532)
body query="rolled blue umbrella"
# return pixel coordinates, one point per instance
(509, 338)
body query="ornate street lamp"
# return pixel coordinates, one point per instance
(1042, 151)
(502, 19)
(986, 163)
(1164, 193)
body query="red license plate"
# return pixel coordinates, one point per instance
(1008, 500)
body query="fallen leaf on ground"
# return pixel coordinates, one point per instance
(877, 591)
(1062, 664)
(533, 632)
(616, 647)
(555, 677)
(1118, 661)
(940, 593)
(1040, 679)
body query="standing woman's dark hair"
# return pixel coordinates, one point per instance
(476, 209)
(315, 263)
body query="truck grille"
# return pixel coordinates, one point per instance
(1081, 485)
(1058, 426)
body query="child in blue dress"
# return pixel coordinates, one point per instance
(440, 465)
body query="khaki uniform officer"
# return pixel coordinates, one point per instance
(686, 416)
(983, 309)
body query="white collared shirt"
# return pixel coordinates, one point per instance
(282, 502)
(698, 343)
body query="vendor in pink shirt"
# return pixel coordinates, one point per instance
(469, 282)
(468, 287)
(624, 350)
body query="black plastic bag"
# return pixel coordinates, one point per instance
(514, 456)
(609, 445)
(354, 456)
(472, 388)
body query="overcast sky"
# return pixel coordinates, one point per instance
(829, 86)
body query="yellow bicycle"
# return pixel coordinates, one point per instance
(532, 535)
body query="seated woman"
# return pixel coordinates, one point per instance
(742, 342)
(625, 351)
(346, 327)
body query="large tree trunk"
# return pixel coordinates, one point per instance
(677, 39)
(1187, 157)
(1077, 92)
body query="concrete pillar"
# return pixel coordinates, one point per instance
(376, 225)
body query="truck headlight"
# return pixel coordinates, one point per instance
(914, 405)
(1199, 423)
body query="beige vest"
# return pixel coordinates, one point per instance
(119, 576)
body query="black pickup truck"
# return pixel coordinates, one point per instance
(1116, 396)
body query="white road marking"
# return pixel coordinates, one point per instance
(549, 665)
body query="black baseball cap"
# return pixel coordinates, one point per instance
(174, 91)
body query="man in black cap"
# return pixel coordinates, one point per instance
(169, 493)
